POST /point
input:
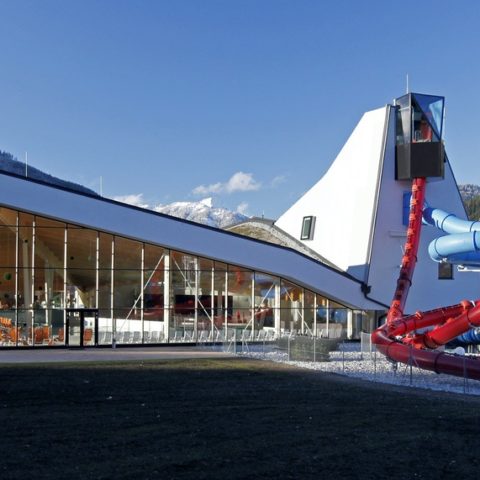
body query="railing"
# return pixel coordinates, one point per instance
(355, 359)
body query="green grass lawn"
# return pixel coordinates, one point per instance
(226, 419)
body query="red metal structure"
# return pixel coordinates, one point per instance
(398, 339)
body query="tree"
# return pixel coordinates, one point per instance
(473, 208)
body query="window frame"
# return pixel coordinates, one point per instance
(307, 235)
(445, 271)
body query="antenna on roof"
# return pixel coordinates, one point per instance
(408, 88)
(101, 186)
(26, 164)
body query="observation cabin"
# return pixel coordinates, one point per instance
(419, 148)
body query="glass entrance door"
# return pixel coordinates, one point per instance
(81, 328)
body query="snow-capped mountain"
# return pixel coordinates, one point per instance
(202, 212)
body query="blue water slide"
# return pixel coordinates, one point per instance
(461, 245)
(472, 337)
(463, 248)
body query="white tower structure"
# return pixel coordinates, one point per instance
(354, 216)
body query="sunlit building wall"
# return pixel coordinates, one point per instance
(65, 284)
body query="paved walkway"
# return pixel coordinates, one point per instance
(106, 354)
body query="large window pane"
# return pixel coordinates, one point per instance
(25, 240)
(81, 248)
(105, 281)
(49, 292)
(154, 284)
(127, 288)
(81, 288)
(7, 265)
(309, 311)
(128, 328)
(128, 254)
(8, 238)
(105, 251)
(183, 278)
(8, 217)
(338, 320)
(220, 296)
(49, 243)
(154, 257)
(182, 326)
(240, 284)
(264, 298)
(206, 297)
(104, 288)
(291, 313)
(153, 301)
(8, 329)
(322, 316)
(105, 326)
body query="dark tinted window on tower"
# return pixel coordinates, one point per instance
(308, 226)
(445, 271)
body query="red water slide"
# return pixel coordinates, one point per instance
(398, 339)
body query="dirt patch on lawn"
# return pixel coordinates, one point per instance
(227, 419)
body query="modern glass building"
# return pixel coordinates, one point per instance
(77, 269)
(63, 283)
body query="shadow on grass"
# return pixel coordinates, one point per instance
(226, 418)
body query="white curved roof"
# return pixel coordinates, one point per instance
(114, 217)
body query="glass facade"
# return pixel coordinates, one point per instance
(63, 284)
(419, 149)
(419, 118)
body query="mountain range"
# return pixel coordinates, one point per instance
(9, 163)
(202, 211)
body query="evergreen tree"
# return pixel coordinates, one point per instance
(473, 208)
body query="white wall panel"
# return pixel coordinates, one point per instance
(343, 200)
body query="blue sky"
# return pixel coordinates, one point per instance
(248, 101)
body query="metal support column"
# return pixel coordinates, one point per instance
(166, 297)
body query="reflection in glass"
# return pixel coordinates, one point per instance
(154, 287)
(81, 248)
(322, 316)
(128, 254)
(309, 311)
(153, 294)
(264, 298)
(8, 238)
(403, 122)
(432, 111)
(419, 118)
(104, 287)
(207, 300)
(291, 304)
(105, 251)
(81, 288)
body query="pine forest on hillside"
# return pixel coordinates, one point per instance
(471, 198)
